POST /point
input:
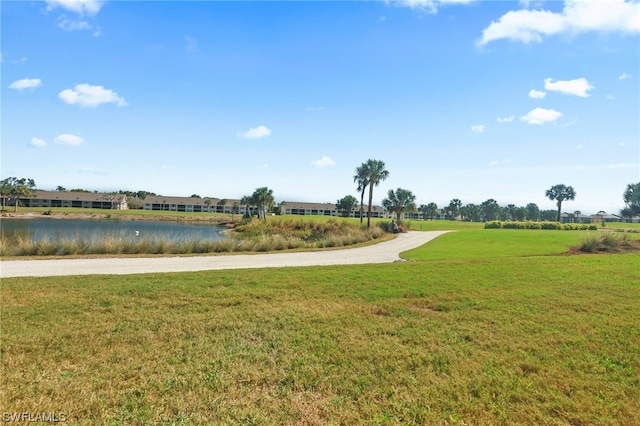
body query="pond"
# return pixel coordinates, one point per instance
(40, 229)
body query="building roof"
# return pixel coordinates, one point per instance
(73, 196)
(189, 201)
(321, 206)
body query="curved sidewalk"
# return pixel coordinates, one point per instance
(385, 252)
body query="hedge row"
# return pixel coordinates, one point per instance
(496, 224)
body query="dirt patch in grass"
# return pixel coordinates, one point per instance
(606, 244)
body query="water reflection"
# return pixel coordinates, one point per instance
(40, 229)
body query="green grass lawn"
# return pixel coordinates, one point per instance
(482, 327)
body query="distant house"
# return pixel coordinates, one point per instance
(86, 200)
(191, 204)
(210, 205)
(594, 218)
(327, 209)
(440, 214)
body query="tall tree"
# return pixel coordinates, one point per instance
(235, 208)
(376, 173)
(361, 177)
(519, 214)
(399, 201)
(431, 210)
(220, 205)
(491, 209)
(346, 205)
(560, 193)
(263, 200)
(473, 212)
(533, 212)
(247, 201)
(631, 199)
(281, 207)
(454, 208)
(14, 189)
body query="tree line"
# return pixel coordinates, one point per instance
(398, 202)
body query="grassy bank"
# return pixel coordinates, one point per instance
(467, 333)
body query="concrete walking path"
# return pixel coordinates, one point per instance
(385, 252)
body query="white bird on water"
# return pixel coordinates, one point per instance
(137, 233)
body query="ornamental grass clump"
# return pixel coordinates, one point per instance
(609, 243)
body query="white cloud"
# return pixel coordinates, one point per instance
(429, 6)
(505, 119)
(37, 142)
(72, 25)
(323, 162)
(81, 7)
(87, 95)
(255, 133)
(69, 139)
(577, 16)
(624, 76)
(478, 128)
(318, 108)
(537, 94)
(26, 83)
(577, 87)
(541, 116)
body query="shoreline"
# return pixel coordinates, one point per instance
(219, 220)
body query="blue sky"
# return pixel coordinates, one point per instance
(461, 99)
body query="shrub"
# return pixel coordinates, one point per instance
(539, 225)
(494, 224)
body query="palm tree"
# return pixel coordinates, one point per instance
(361, 178)
(631, 199)
(235, 208)
(281, 209)
(376, 173)
(399, 202)
(432, 209)
(533, 212)
(263, 199)
(577, 214)
(454, 208)
(247, 201)
(473, 212)
(560, 193)
(220, 205)
(14, 189)
(490, 209)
